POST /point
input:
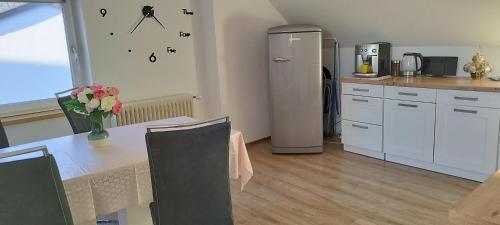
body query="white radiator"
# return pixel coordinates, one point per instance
(155, 109)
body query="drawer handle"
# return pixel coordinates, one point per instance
(466, 111)
(360, 127)
(408, 105)
(408, 94)
(466, 99)
(359, 100)
(280, 60)
(361, 90)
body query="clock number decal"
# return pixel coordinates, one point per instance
(187, 12)
(103, 12)
(171, 50)
(184, 35)
(152, 58)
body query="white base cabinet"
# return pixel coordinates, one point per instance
(467, 138)
(362, 115)
(409, 129)
(447, 131)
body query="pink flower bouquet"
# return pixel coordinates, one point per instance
(96, 102)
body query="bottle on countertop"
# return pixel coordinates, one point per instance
(396, 68)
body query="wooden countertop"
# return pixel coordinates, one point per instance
(385, 80)
(451, 83)
(482, 207)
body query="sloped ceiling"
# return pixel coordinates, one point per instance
(401, 22)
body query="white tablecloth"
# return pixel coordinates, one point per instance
(104, 180)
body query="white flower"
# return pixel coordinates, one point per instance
(82, 96)
(93, 104)
(107, 103)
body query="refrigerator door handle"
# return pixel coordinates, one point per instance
(280, 60)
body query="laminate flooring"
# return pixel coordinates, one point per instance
(341, 188)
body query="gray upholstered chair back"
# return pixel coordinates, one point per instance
(190, 175)
(4, 142)
(31, 191)
(79, 123)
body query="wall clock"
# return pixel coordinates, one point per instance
(149, 14)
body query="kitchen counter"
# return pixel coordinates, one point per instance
(450, 83)
(385, 80)
(482, 207)
(447, 125)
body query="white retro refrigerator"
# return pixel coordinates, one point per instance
(296, 89)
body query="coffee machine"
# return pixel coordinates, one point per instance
(373, 60)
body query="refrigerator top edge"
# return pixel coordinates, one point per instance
(298, 28)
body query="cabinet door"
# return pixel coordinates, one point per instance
(467, 138)
(409, 129)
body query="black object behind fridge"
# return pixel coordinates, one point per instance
(440, 66)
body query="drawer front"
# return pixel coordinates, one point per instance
(368, 90)
(362, 135)
(362, 109)
(469, 98)
(411, 94)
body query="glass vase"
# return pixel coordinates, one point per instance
(97, 131)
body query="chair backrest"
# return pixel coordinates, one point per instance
(190, 174)
(31, 191)
(79, 123)
(4, 142)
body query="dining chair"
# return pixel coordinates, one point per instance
(4, 142)
(79, 123)
(31, 189)
(190, 173)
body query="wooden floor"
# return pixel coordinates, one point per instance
(342, 188)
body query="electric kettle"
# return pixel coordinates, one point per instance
(412, 64)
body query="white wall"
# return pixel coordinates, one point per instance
(464, 56)
(241, 38)
(133, 73)
(206, 58)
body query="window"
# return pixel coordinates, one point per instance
(34, 61)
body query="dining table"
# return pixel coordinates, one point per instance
(115, 177)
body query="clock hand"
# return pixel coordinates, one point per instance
(144, 17)
(154, 17)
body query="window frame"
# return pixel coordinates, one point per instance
(78, 58)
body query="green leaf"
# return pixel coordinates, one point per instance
(76, 106)
(106, 114)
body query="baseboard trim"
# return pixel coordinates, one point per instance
(259, 141)
(365, 152)
(304, 150)
(437, 168)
